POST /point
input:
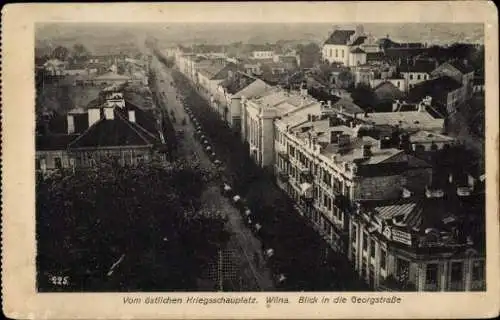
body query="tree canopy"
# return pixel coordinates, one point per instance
(150, 213)
(60, 53)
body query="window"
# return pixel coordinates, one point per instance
(456, 272)
(411, 77)
(478, 270)
(38, 165)
(342, 53)
(372, 249)
(58, 163)
(331, 55)
(365, 240)
(355, 232)
(431, 273)
(418, 77)
(382, 259)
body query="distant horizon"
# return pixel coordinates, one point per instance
(174, 33)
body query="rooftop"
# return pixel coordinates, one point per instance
(404, 120)
(418, 66)
(461, 66)
(434, 88)
(340, 37)
(353, 150)
(53, 142)
(115, 132)
(357, 50)
(423, 136)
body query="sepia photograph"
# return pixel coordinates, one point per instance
(221, 162)
(273, 157)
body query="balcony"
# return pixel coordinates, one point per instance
(283, 155)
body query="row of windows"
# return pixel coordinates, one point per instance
(336, 53)
(419, 77)
(433, 271)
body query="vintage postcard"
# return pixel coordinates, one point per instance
(250, 160)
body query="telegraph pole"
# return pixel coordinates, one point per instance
(220, 271)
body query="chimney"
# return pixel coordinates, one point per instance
(109, 113)
(131, 115)
(71, 124)
(366, 151)
(94, 115)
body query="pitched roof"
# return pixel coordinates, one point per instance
(461, 66)
(112, 133)
(358, 41)
(387, 91)
(53, 142)
(340, 37)
(434, 88)
(357, 50)
(418, 66)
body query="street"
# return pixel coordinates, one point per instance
(300, 253)
(243, 244)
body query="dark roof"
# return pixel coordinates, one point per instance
(373, 56)
(395, 53)
(53, 142)
(418, 66)
(340, 37)
(237, 82)
(143, 118)
(387, 91)
(434, 88)
(462, 67)
(112, 133)
(357, 50)
(358, 41)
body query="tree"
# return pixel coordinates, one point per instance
(149, 212)
(60, 53)
(364, 96)
(310, 54)
(80, 53)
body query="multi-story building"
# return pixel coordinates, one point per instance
(258, 121)
(325, 162)
(444, 90)
(416, 72)
(115, 129)
(460, 71)
(429, 242)
(342, 46)
(232, 90)
(262, 52)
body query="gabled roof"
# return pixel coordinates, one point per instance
(53, 142)
(112, 133)
(434, 88)
(387, 91)
(359, 40)
(256, 87)
(340, 37)
(461, 66)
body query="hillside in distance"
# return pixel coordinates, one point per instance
(109, 36)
